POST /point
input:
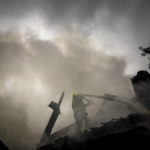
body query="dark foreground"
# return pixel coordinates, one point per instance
(135, 138)
(131, 132)
(3, 146)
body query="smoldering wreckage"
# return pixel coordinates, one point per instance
(130, 132)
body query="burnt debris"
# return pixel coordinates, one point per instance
(130, 132)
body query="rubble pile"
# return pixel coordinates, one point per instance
(132, 131)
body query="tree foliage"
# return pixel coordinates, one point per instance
(146, 53)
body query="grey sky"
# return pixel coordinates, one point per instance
(123, 25)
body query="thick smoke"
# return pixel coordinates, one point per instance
(14, 130)
(110, 14)
(117, 16)
(34, 72)
(120, 25)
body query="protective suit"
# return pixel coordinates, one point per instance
(80, 113)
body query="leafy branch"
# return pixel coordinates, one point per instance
(145, 52)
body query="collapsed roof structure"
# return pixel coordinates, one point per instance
(133, 123)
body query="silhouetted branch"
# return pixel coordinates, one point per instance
(145, 52)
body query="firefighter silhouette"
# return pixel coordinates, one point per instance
(80, 113)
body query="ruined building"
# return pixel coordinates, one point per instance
(132, 131)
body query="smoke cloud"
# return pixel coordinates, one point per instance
(120, 26)
(35, 72)
(93, 46)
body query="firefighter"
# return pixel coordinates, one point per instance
(80, 113)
